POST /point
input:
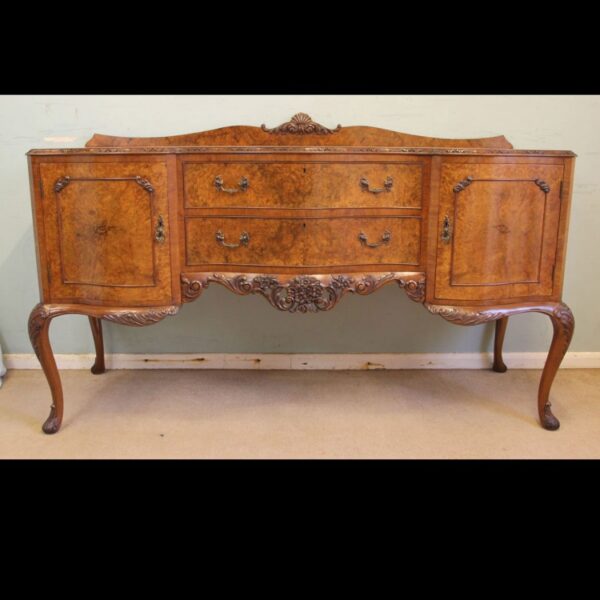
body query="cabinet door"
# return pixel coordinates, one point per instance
(106, 227)
(497, 231)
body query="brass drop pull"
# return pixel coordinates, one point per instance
(244, 184)
(159, 231)
(446, 233)
(244, 240)
(387, 186)
(385, 239)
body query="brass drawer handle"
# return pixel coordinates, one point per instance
(385, 239)
(244, 240)
(446, 233)
(244, 183)
(159, 231)
(387, 186)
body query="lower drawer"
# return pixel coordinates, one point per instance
(243, 241)
(302, 242)
(362, 241)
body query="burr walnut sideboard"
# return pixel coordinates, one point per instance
(127, 229)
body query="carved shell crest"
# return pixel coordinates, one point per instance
(301, 124)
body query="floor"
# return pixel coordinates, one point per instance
(301, 414)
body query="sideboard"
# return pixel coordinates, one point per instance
(128, 229)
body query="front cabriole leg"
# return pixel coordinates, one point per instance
(563, 323)
(39, 323)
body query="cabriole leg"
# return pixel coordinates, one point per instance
(39, 324)
(96, 325)
(499, 365)
(563, 323)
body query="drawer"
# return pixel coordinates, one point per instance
(243, 241)
(303, 185)
(363, 241)
(302, 242)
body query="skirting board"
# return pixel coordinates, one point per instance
(464, 360)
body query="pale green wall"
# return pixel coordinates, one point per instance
(222, 322)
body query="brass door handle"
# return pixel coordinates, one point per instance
(243, 185)
(244, 240)
(385, 239)
(387, 186)
(159, 231)
(446, 233)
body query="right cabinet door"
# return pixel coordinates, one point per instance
(497, 230)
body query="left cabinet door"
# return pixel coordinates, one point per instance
(105, 231)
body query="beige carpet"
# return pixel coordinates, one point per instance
(301, 414)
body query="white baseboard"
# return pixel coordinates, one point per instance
(463, 360)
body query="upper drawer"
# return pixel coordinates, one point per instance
(302, 185)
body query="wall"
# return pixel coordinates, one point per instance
(222, 322)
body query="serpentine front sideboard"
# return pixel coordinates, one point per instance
(127, 229)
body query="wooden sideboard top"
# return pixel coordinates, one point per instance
(299, 135)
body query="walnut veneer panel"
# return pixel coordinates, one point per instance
(503, 223)
(302, 242)
(100, 221)
(363, 241)
(302, 185)
(270, 242)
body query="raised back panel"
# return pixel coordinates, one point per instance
(300, 130)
